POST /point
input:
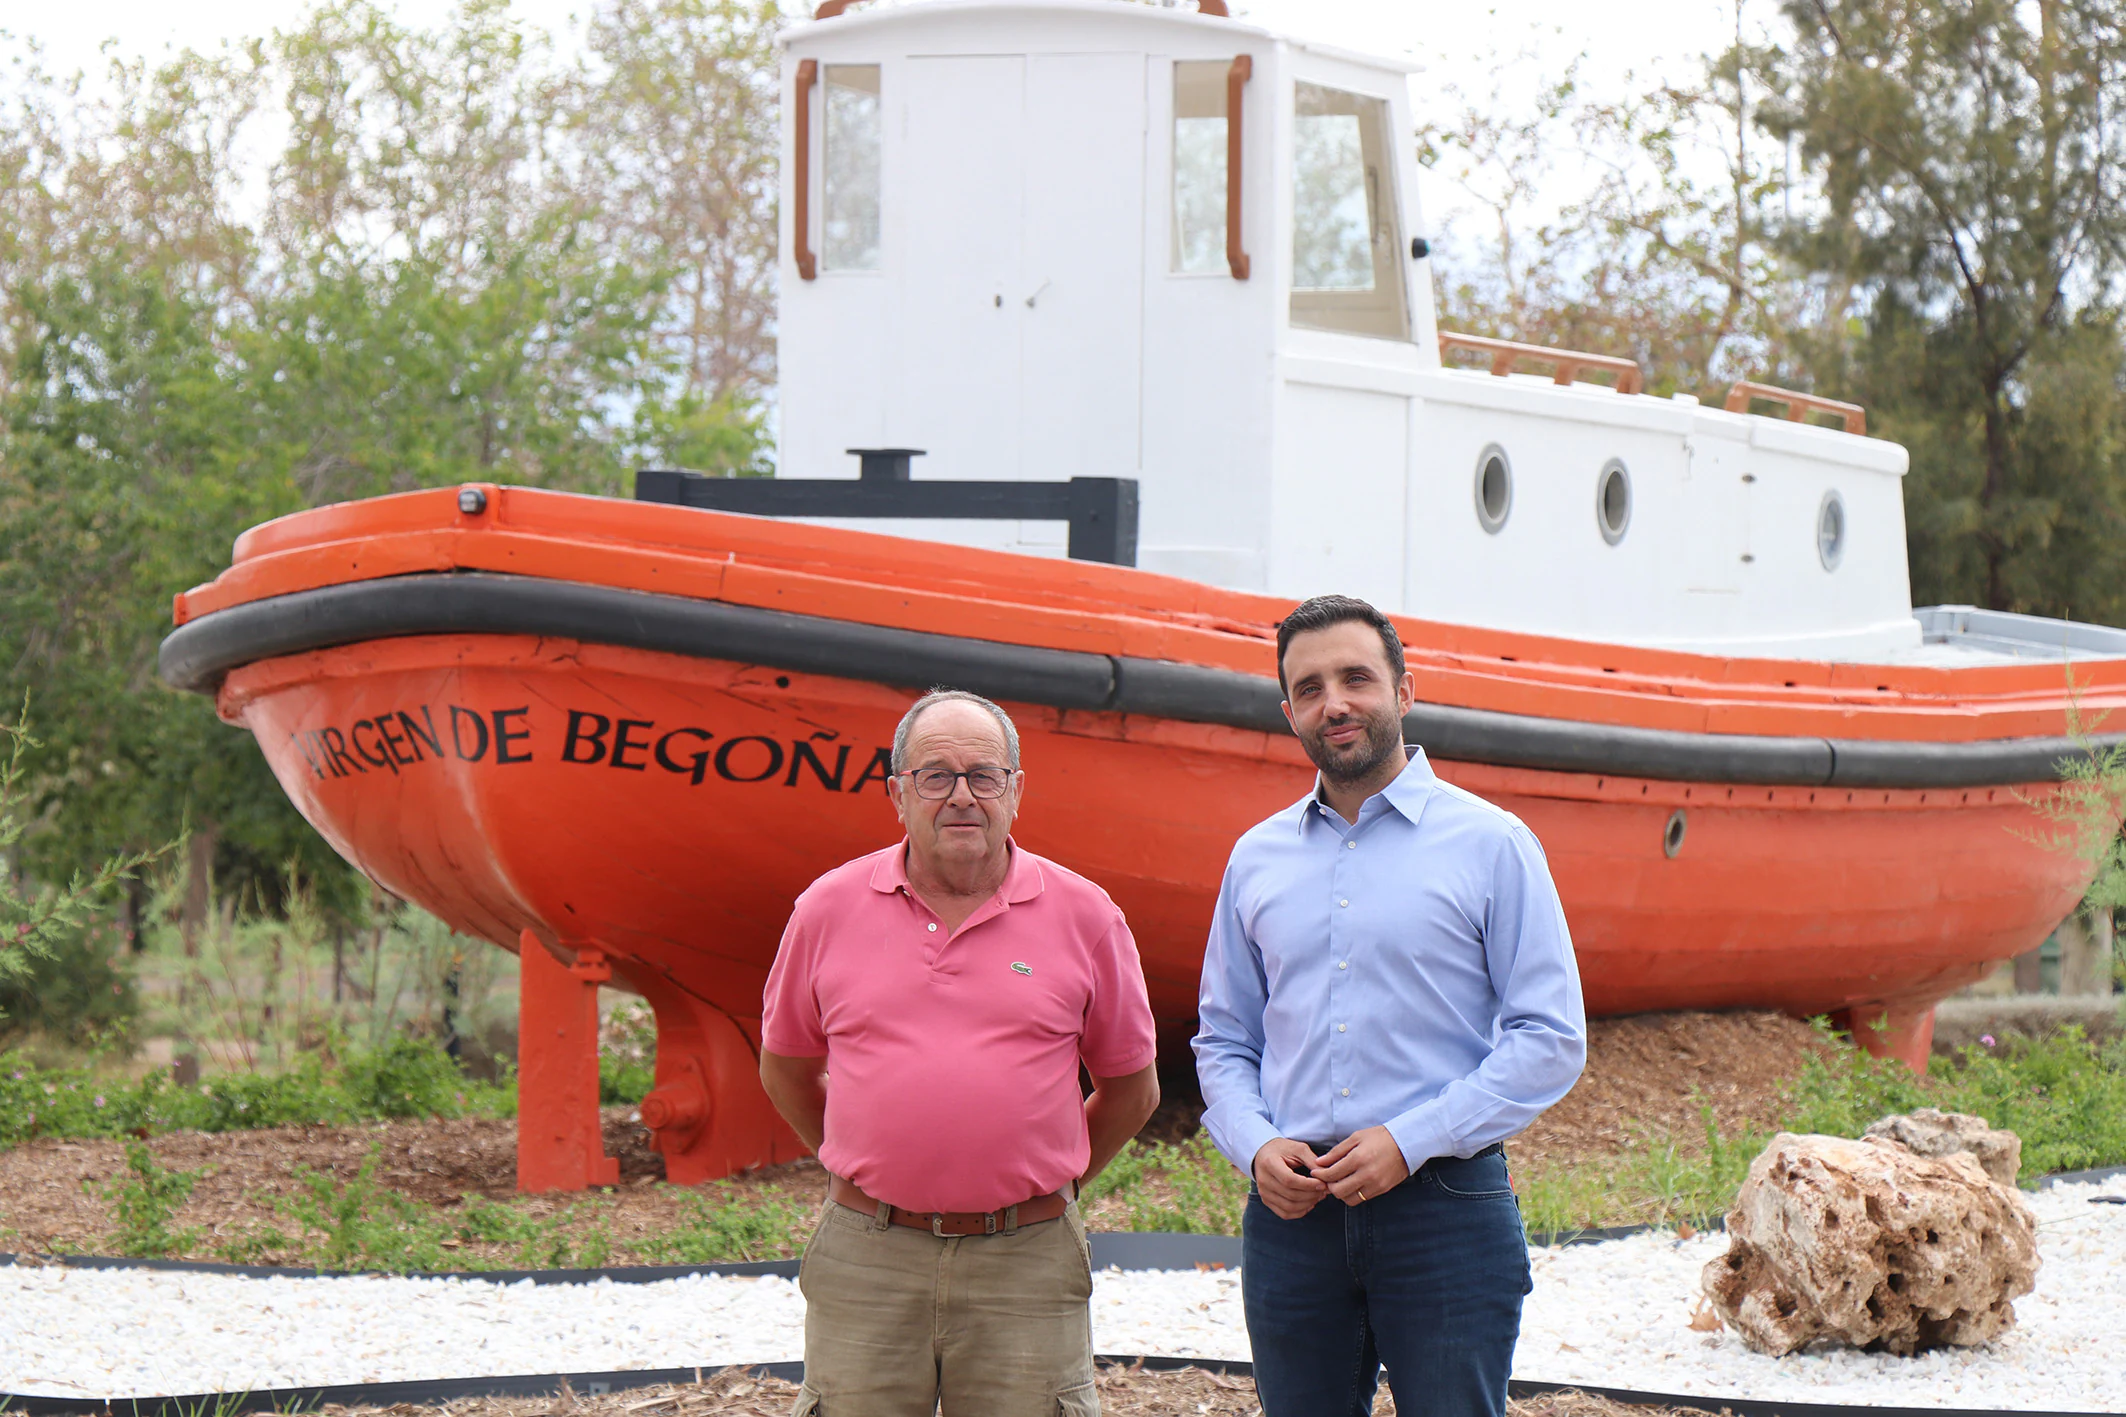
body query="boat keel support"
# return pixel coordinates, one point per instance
(707, 1115)
(1904, 1031)
(560, 1146)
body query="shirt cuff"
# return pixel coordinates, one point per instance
(1242, 1137)
(1422, 1133)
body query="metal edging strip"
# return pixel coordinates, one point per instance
(440, 1390)
(196, 655)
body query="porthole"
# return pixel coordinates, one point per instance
(1830, 530)
(1494, 488)
(1613, 501)
(1672, 834)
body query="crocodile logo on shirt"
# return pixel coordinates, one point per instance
(1019, 968)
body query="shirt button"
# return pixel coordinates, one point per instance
(1350, 846)
(1340, 1028)
(1343, 902)
(1343, 964)
(1347, 1092)
(933, 927)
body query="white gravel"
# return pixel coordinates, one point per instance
(1612, 1315)
(1618, 1315)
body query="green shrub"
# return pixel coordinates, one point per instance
(359, 1224)
(2063, 1094)
(302, 1094)
(74, 991)
(406, 1078)
(627, 1055)
(145, 1201)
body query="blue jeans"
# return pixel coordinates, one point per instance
(1427, 1279)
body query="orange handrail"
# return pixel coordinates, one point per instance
(828, 9)
(801, 207)
(1236, 79)
(1505, 353)
(1798, 405)
(1207, 7)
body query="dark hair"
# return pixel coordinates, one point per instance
(1325, 610)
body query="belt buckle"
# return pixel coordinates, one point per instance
(937, 1223)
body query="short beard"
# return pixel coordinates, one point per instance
(1384, 738)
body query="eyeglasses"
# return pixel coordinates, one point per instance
(936, 784)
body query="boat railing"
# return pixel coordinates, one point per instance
(1569, 363)
(1798, 405)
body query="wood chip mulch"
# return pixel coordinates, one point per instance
(1124, 1392)
(1651, 1074)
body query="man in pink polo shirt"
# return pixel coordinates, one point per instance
(925, 1020)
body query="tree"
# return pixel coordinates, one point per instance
(1658, 250)
(35, 924)
(680, 109)
(453, 265)
(1968, 155)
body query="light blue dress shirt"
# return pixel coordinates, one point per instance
(1411, 969)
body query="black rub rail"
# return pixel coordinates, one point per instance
(197, 655)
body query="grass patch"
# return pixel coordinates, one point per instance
(1655, 1181)
(718, 1229)
(359, 1224)
(2063, 1094)
(406, 1077)
(1187, 1187)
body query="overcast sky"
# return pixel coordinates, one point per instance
(1663, 41)
(1661, 35)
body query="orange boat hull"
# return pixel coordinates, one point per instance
(621, 739)
(476, 775)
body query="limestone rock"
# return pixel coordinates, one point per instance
(1933, 1132)
(1868, 1244)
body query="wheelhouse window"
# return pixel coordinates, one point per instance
(1347, 270)
(849, 162)
(1199, 167)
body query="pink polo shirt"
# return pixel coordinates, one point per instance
(952, 1059)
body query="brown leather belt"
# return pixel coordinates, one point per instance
(845, 1192)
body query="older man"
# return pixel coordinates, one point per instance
(1389, 993)
(926, 1017)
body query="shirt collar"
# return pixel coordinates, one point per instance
(1022, 878)
(1407, 794)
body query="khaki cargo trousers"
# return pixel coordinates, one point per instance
(899, 1322)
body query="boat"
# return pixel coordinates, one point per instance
(1149, 286)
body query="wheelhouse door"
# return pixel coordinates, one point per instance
(1022, 311)
(957, 378)
(1083, 310)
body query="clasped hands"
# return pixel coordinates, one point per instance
(1292, 1179)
